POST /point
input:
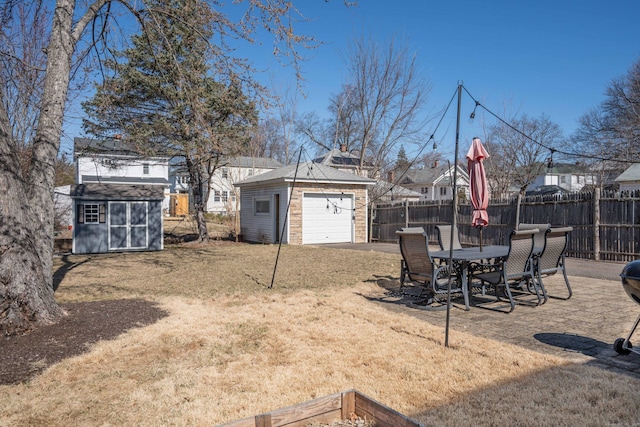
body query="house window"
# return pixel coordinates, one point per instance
(250, 172)
(145, 168)
(443, 191)
(91, 213)
(424, 190)
(216, 196)
(225, 173)
(225, 196)
(563, 179)
(261, 206)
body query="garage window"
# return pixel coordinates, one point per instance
(262, 206)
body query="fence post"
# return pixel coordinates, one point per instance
(596, 224)
(406, 213)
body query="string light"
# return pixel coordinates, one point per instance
(473, 113)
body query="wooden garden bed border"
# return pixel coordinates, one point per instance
(339, 406)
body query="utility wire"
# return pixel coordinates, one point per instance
(551, 149)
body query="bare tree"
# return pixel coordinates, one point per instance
(22, 70)
(27, 217)
(610, 133)
(382, 104)
(519, 151)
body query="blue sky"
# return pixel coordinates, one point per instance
(543, 57)
(535, 57)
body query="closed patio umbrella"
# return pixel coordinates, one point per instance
(478, 185)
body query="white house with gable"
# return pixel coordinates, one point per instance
(113, 161)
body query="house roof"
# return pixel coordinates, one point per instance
(94, 179)
(114, 147)
(440, 174)
(254, 162)
(340, 158)
(632, 173)
(392, 190)
(567, 168)
(306, 172)
(545, 190)
(117, 192)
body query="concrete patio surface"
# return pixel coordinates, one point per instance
(582, 328)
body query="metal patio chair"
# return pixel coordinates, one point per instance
(444, 237)
(538, 238)
(418, 267)
(552, 258)
(516, 269)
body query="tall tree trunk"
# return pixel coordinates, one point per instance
(26, 217)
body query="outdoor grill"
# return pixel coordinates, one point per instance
(631, 284)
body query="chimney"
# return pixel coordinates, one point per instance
(390, 176)
(436, 163)
(343, 148)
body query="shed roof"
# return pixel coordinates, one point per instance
(117, 192)
(306, 172)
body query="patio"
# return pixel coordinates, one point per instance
(582, 328)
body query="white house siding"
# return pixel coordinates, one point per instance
(120, 167)
(227, 193)
(256, 227)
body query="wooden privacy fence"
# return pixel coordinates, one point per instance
(606, 225)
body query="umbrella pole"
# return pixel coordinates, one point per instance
(481, 238)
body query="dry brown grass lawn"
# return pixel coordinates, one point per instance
(231, 348)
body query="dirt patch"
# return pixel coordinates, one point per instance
(86, 323)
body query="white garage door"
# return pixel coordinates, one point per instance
(326, 218)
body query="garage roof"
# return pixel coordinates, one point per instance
(306, 172)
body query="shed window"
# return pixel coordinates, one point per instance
(261, 206)
(92, 213)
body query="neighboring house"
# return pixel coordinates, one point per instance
(345, 161)
(569, 177)
(222, 194)
(629, 180)
(435, 183)
(223, 197)
(326, 206)
(119, 197)
(63, 207)
(386, 192)
(117, 218)
(113, 161)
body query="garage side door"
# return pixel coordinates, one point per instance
(326, 218)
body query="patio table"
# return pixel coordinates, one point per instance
(462, 258)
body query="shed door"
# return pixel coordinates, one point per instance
(327, 218)
(128, 225)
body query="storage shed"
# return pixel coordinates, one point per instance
(117, 218)
(325, 206)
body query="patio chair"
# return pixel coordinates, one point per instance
(516, 269)
(444, 237)
(538, 239)
(552, 258)
(418, 267)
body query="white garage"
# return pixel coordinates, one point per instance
(306, 203)
(327, 218)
